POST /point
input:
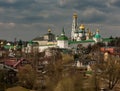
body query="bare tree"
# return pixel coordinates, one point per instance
(109, 71)
(27, 76)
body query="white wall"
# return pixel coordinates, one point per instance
(62, 44)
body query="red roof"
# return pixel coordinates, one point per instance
(111, 50)
(12, 62)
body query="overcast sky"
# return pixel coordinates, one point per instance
(27, 19)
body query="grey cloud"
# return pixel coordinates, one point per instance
(19, 5)
(93, 15)
(116, 3)
(33, 17)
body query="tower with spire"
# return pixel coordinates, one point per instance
(62, 40)
(97, 36)
(74, 26)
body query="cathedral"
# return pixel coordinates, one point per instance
(80, 33)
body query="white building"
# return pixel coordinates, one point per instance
(62, 40)
(79, 35)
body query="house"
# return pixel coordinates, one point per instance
(14, 63)
(111, 50)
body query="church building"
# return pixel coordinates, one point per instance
(79, 35)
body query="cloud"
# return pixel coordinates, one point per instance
(10, 1)
(17, 4)
(11, 24)
(93, 15)
(28, 15)
(91, 12)
(2, 10)
(62, 2)
(7, 25)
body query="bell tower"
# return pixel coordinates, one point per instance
(74, 25)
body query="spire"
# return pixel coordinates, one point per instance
(88, 30)
(63, 32)
(62, 37)
(97, 31)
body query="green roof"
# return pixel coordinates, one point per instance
(11, 46)
(62, 37)
(97, 36)
(82, 41)
(30, 42)
(106, 39)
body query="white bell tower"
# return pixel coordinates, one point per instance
(74, 26)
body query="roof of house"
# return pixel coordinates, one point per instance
(82, 41)
(32, 43)
(97, 36)
(62, 37)
(106, 39)
(11, 47)
(13, 62)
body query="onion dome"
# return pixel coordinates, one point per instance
(49, 30)
(75, 15)
(82, 27)
(63, 37)
(97, 35)
(97, 31)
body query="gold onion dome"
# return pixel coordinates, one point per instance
(97, 30)
(49, 30)
(82, 27)
(75, 15)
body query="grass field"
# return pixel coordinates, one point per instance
(17, 88)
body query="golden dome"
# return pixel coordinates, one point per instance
(82, 27)
(49, 30)
(75, 15)
(97, 30)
